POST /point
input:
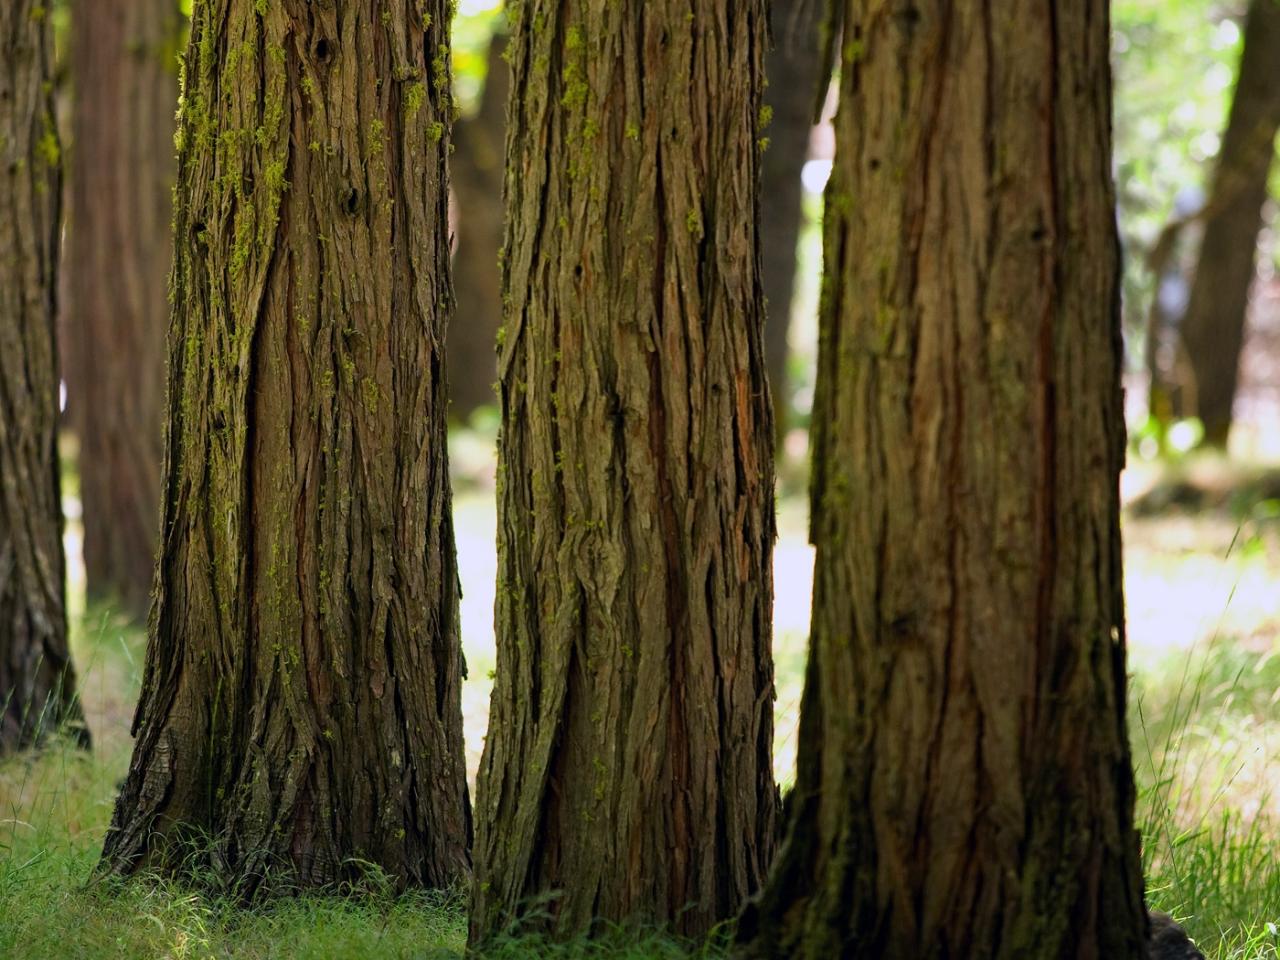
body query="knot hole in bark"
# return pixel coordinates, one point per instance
(351, 201)
(322, 51)
(908, 15)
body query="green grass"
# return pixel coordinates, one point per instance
(1206, 738)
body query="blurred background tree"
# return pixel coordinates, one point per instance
(123, 65)
(1213, 329)
(1177, 63)
(477, 214)
(792, 98)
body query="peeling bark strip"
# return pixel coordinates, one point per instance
(121, 188)
(37, 683)
(964, 784)
(301, 703)
(627, 772)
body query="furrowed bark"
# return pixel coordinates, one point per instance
(627, 776)
(1214, 326)
(964, 786)
(300, 713)
(124, 71)
(37, 682)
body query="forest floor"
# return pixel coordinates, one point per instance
(1203, 588)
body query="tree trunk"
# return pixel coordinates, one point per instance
(627, 771)
(121, 183)
(300, 710)
(794, 71)
(477, 185)
(37, 682)
(964, 785)
(1213, 328)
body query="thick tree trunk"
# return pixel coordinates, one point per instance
(794, 71)
(300, 710)
(477, 185)
(121, 183)
(37, 683)
(1213, 328)
(964, 785)
(627, 772)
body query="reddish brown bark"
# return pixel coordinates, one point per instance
(37, 682)
(300, 713)
(626, 775)
(964, 786)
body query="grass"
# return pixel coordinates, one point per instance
(1206, 742)
(1205, 714)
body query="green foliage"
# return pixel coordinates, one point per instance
(1175, 64)
(473, 27)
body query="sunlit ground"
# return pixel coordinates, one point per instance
(1195, 584)
(1203, 591)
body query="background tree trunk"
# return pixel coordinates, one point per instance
(477, 184)
(627, 769)
(964, 785)
(794, 69)
(121, 181)
(1213, 328)
(301, 702)
(37, 682)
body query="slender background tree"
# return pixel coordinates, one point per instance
(794, 70)
(300, 708)
(477, 184)
(1214, 326)
(124, 71)
(627, 773)
(964, 786)
(37, 682)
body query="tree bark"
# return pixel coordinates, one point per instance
(627, 770)
(300, 711)
(794, 70)
(1213, 328)
(37, 682)
(121, 183)
(477, 185)
(964, 786)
